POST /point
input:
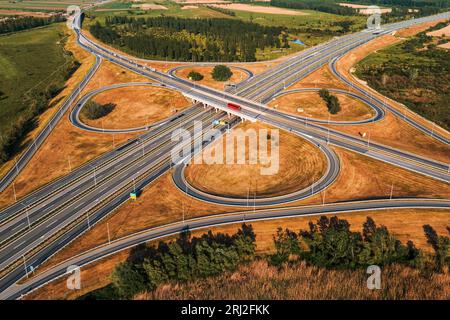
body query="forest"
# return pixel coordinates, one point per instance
(24, 23)
(189, 39)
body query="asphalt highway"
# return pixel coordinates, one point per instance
(74, 115)
(44, 222)
(310, 62)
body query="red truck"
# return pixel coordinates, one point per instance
(234, 106)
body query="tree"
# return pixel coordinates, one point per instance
(286, 243)
(440, 245)
(221, 73)
(93, 110)
(196, 76)
(332, 102)
(244, 241)
(127, 280)
(380, 247)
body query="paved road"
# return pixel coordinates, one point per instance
(74, 115)
(330, 175)
(76, 211)
(378, 112)
(292, 70)
(411, 121)
(100, 252)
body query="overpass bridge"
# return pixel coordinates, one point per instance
(197, 97)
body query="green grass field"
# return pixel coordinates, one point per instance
(29, 60)
(417, 76)
(41, 5)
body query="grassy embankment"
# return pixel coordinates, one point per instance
(415, 73)
(33, 63)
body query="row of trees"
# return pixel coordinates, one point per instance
(183, 260)
(93, 110)
(24, 23)
(190, 39)
(330, 243)
(230, 13)
(332, 101)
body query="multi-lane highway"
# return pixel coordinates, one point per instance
(42, 223)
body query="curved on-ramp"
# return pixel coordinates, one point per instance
(332, 171)
(379, 112)
(74, 115)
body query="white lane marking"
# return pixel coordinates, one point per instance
(19, 244)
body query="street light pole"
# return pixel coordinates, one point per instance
(14, 191)
(109, 236)
(392, 191)
(25, 265)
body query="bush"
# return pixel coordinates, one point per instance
(332, 102)
(93, 110)
(183, 260)
(221, 73)
(440, 245)
(127, 280)
(196, 76)
(330, 243)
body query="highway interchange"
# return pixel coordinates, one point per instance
(43, 222)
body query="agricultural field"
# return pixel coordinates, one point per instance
(41, 5)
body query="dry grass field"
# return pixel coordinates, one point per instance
(363, 178)
(238, 76)
(258, 280)
(260, 9)
(300, 163)
(311, 105)
(405, 224)
(138, 106)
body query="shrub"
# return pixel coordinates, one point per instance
(93, 110)
(332, 102)
(221, 73)
(196, 76)
(184, 259)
